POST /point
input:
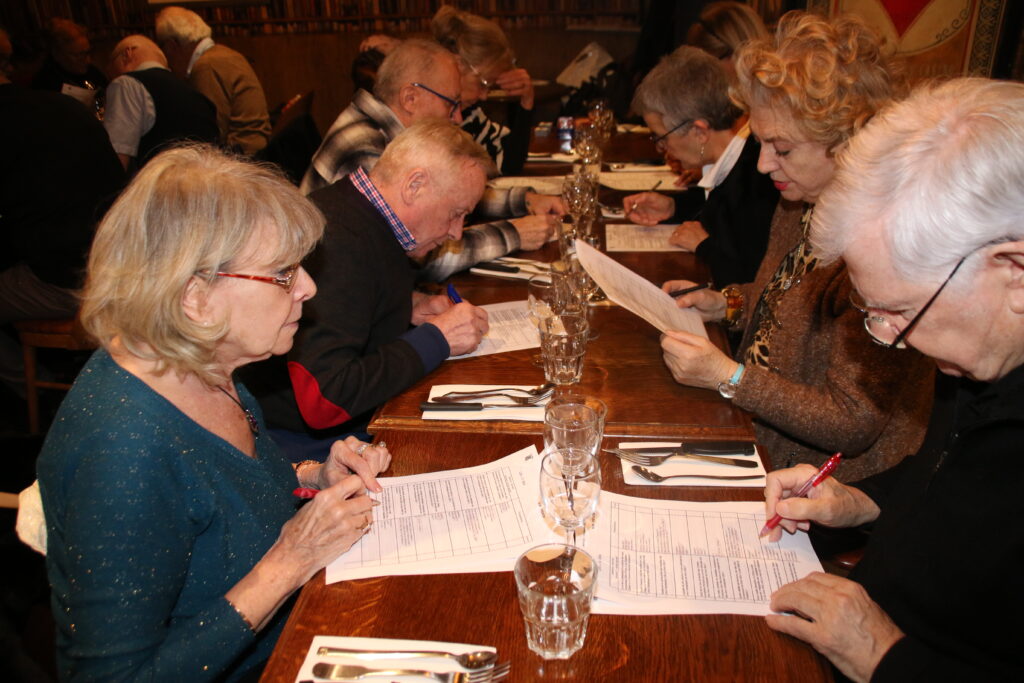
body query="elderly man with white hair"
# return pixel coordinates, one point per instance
(221, 74)
(927, 210)
(148, 108)
(372, 335)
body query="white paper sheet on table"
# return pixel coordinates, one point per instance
(685, 466)
(531, 414)
(680, 557)
(654, 556)
(435, 664)
(474, 519)
(637, 182)
(629, 237)
(510, 330)
(640, 296)
(541, 184)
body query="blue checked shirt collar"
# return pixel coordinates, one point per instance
(373, 195)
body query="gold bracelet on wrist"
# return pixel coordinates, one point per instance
(734, 304)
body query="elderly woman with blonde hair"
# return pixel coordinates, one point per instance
(487, 62)
(804, 368)
(174, 539)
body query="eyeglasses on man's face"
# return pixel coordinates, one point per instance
(660, 141)
(880, 328)
(286, 280)
(456, 104)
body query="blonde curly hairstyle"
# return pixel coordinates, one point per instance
(832, 75)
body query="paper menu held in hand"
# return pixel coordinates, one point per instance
(636, 294)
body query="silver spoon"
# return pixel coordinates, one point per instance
(480, 659)
(536, 391)
(655, 477)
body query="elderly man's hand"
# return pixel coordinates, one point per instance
(648, 208)
(688, 235)
(425, 307)
(829, 504)
(539, 204)
(695, 361)
(534, 231)
(840, 621)
(463, 325)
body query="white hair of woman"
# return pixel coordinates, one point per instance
(943, 171)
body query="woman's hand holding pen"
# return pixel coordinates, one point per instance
(648, 208)
(710, 303)
(830, 503)
(838, 618)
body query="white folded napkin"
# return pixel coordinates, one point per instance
(435, 664)
(688, 466)
(533, 414)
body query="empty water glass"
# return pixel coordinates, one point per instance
(563, 344)
(555, 584)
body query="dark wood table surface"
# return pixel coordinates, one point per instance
(623, 367)
(483, 608)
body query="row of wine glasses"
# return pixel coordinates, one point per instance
(570, 479)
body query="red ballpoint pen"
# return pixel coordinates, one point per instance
(822, 474)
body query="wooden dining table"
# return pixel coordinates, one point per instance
(624, 368)
(483, 608)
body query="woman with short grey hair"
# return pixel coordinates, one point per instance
(685, 102)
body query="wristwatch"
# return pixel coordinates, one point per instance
(727, 388)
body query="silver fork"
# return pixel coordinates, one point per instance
(516, 400)
(655, 477)
(655, 460)
(345, 672)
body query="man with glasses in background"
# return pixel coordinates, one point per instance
(926, 211)
(420, 79)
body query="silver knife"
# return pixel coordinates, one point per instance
(431, 405)
(739, 448)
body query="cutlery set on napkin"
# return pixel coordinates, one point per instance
(332, 658)
(512, 268)
(487, 402)
(697, 463)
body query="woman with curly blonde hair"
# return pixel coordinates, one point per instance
(804, 367)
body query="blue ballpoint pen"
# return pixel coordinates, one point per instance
(453, 294)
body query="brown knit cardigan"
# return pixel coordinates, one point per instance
(829, 387)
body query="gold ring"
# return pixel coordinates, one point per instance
(364, 525)
(361, 448)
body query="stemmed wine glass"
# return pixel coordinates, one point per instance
(571, 424)
(604, 120)
(570, 487)
(543, 299)
(579, 192)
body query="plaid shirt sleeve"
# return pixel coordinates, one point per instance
(356, 140)
(479, 243)
(503, 203)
